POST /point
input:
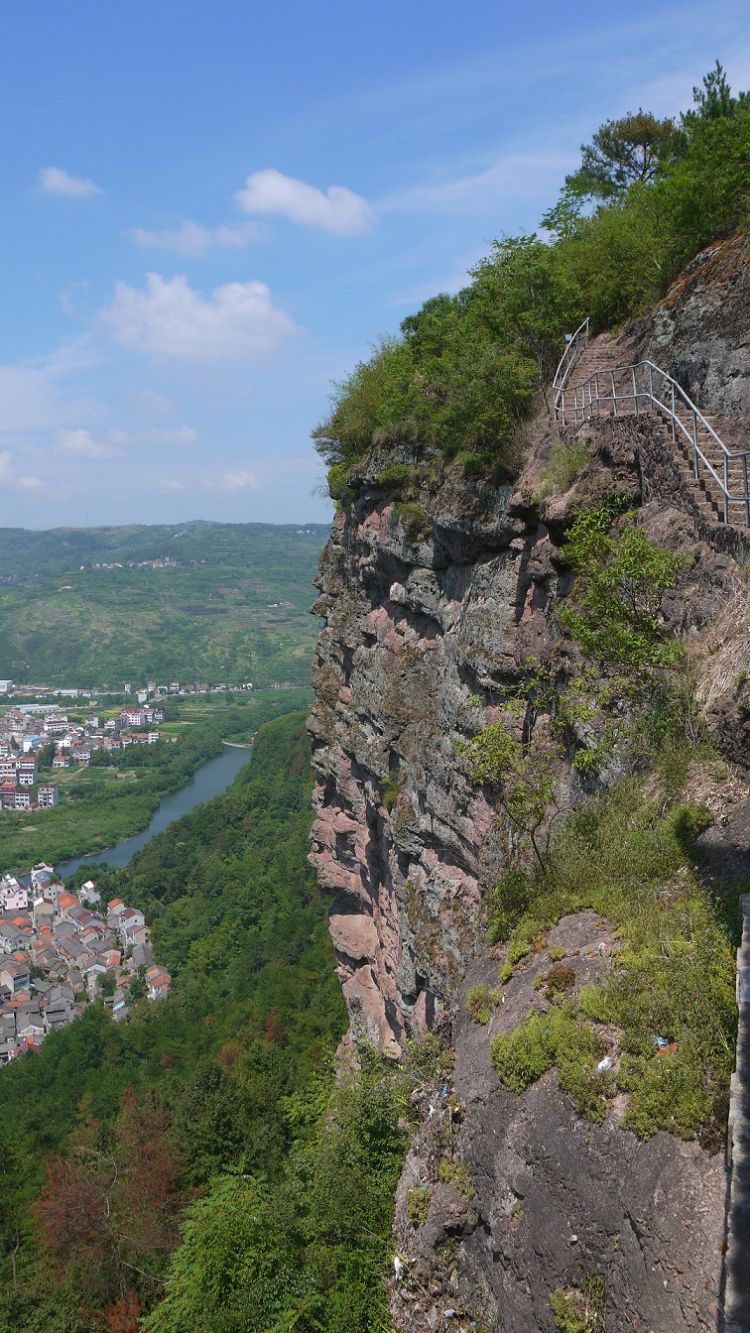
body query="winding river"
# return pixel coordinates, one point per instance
(210, 780)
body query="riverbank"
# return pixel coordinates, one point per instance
(210, 780)
(105, 805)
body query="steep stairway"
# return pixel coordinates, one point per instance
(598, 385)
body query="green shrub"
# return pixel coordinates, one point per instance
(580, 1308)
(508, 901)
(395, 476)
(392, 788)
(620, 583)
(560, 979)
(418, 1205)
(673, 975)
(522, 1056)
(457, 1174)
(414, 520)
(670, 1092)
(567, 459)
(517, 951)
(338, 483)
(556, 1038)
(480, 1002)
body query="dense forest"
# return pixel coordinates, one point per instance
(233, 608)
(212, 1117)
(464, 373)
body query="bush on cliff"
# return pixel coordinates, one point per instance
(672, 977)
(464, 372)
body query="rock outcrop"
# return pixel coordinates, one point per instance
(433, 608)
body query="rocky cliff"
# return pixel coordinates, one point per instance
(434, 607)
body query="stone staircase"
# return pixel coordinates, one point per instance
(598, 385)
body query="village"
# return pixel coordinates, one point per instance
(31, 733)
(60, 951)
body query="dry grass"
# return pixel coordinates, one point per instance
(723, 661)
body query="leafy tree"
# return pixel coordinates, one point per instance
(618, 595)
(522, 777)
(713, 98)
(234, 1270)
(623, 152)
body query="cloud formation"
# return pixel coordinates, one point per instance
(158, 435)
(337, 209)
(193, 240)
(54, 180)
(9, 478)
(508, 176)
(82, 444)
(171, 320)
(35, 394)
(229, 482)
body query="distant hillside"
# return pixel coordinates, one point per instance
(233, 606)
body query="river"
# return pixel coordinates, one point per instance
(210, 780)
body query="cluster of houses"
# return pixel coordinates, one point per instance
(26, 731)
(20, 788)
(59, 951)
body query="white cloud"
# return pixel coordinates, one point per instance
(35, 396)
(166, 435)
(54, 180)
(336, 209)
(508, 176)
(178, 435)
(193, 239)
(235, 481)
(10, 480)
(82, 444)
(172, 320)
(229, 482)
(154, 404)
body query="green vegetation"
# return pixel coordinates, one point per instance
(235, 607)
(455, 1173)
(632, 861)
(216, 1109)
(455, 385)
(480, 1002)
(116, 797)
(418, 1204)
(567, 458)
(629, 855)
(620, 584)
(522, 779)
(580, 1309)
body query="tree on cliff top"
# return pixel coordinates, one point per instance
(622, 153)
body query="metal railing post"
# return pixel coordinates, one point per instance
(589, 394)
(747, 492)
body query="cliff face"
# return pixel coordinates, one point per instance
(431, 609)
(419, 631)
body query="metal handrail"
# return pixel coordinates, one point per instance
(641, 379)
(576, 344)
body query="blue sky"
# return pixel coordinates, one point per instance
(212, 210)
